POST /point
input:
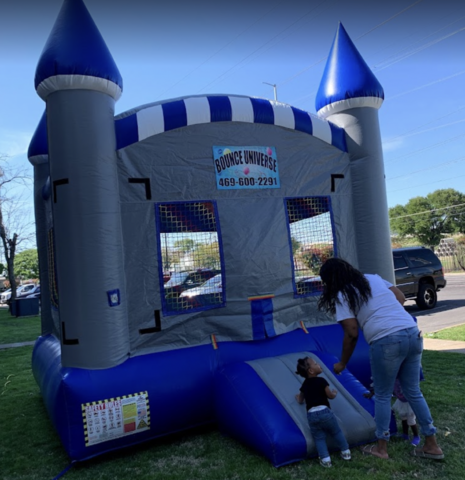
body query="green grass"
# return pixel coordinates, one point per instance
(17, 329)
(30, 449)
(454, 333)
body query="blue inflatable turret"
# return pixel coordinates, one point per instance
(76, 56)
(79, 80)
(350, 96)
(38, 156)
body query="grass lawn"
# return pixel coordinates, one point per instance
(17, 329)
(30, 449)
(454, 333)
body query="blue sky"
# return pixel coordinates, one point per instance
(168, 49)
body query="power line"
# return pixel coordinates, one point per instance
(218, 51)
(425, 37)
(259, 48)
(287, 80)
(451, 139)
(427, 85)
(389, 19)
(429, 211)
(424, 184)
(437, 127)
(406, 134)
(413, 52)
(460, 159)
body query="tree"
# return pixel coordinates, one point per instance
(207, 255)
(15, 228)
(429, 218)
(316, 255)
(27, 264)
(185, 246)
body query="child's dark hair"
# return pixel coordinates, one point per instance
(302, 367)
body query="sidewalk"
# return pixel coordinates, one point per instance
(15, 345)
(443, 345)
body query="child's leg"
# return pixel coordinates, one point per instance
(404, 428)
(319, 437)
(411, 420)
(333, 428)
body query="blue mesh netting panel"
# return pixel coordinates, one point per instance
(190, 254)
(312, 240)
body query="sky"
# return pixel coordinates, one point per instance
(166, 49)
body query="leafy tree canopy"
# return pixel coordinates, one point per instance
(429, 218)
(27, 264)
(185, 245)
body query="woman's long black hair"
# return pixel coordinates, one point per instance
(337, 276)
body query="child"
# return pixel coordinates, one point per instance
(315, 392)
(402, 408)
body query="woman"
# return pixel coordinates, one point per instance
(376, 306)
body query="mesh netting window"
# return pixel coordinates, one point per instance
(312, 241)
(52, 276)
(190, 254)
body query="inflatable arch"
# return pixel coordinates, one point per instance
(241, 183)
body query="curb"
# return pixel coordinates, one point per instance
(16, 345)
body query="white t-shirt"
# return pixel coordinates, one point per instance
(381, 315)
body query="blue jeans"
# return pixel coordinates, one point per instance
(323, 422)
(398, 356)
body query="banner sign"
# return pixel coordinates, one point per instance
(245, 167)
(112, 418)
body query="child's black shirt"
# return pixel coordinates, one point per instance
(314, 392)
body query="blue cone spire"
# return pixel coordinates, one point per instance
(76, 56)
(347, 80)
(38, 148)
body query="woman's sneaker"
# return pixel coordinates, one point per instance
(345, 455)
(325, 463)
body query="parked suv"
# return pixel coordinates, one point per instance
(419, 274)
(182, 281)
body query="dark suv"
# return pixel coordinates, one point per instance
(419, 274)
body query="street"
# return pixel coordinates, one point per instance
(450, 309)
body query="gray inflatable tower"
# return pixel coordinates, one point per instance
(79, 81)
(350, 96)
(38, 156)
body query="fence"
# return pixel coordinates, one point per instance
(453, 263)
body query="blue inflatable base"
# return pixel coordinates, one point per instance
(176, 401)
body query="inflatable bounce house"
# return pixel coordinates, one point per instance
(179, 246)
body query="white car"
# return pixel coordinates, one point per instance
(21, 290)
(214, 285)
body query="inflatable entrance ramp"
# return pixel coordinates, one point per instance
(256, 404)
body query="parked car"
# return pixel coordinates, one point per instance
(34, 293)
(419, 275)
(181, 281)
(22, 289)
(307, 285)
(214, 285)
(31, 293)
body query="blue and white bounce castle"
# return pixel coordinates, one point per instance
(251, 187)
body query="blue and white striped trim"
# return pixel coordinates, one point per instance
(162, 117)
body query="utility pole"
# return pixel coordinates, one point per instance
(274, 88)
